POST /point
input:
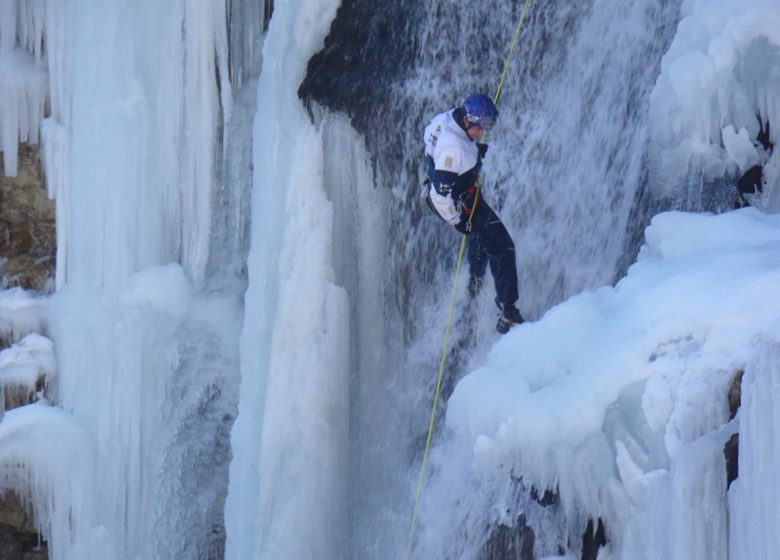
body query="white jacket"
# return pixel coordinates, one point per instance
(452, 151)
(449, 145)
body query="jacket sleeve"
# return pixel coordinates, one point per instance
(453, 171)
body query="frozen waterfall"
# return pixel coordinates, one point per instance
(250, 297)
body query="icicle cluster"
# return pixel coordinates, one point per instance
(23, 76)
(719, 89)
(138, 93)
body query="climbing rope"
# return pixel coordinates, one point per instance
(444, 349)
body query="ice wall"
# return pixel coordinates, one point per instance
(649, 458)
(717, 90)
(158, 118)
(753, 496)
(616, 400)
(289, 475)
(566, 171)
(347, 287)
(23, 76)
(21, 313)
(138, 93)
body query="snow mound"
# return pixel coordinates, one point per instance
(622, 392)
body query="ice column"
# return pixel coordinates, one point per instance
(754, 495)
(138, 101)
(287, 489)
(23, 78)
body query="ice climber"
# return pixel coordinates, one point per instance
(454, 148)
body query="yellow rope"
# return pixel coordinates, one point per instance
(443, 360)
(497, 96)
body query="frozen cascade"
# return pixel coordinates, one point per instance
(660, 437)
(147, 151)
(571, 205)
(717, 91)
(572, 175)
(288, 482)
(755, 493)
(23, 78)
(147, 316)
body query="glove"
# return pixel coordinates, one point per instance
(482, 148)
(464, 226)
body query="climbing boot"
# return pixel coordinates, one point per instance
(508, 318)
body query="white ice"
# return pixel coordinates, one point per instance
(21, 313)
(620, 394)
(616, 398)
(136, 93)
(45, 456)
(27, 361)
(288, 476)
(23, 76)
(720, 75)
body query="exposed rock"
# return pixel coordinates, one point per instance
(731, 449)
(14, 242)
(367, 52)
(548, 498)
(735, 393)
(14, 396)
(19, 539)
(37, 553)
(28, 273)
(10, 543)
(27, 228)
(28, 171)
(731, 454)
(12, 512)
(592, 540)
(763, 137)
(752, 181)
(517, 542)
(510, 543)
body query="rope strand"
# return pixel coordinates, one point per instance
(444, 350)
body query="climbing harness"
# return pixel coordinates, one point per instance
(443, 360)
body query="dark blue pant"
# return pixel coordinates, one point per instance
(490, 243)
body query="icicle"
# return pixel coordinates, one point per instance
(722, 69)
(23, 80)
(753, 514)
(20, 314)
(247, 21)
(45, 458)
(32, 17)
(8, 19)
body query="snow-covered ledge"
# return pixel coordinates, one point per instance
(21, 313)
(24, 369)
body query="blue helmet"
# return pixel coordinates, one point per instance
(480, 111)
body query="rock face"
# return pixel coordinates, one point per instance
(510, 543)
(27, 227)
(731, 449)
(19, 539)
(27, 253)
